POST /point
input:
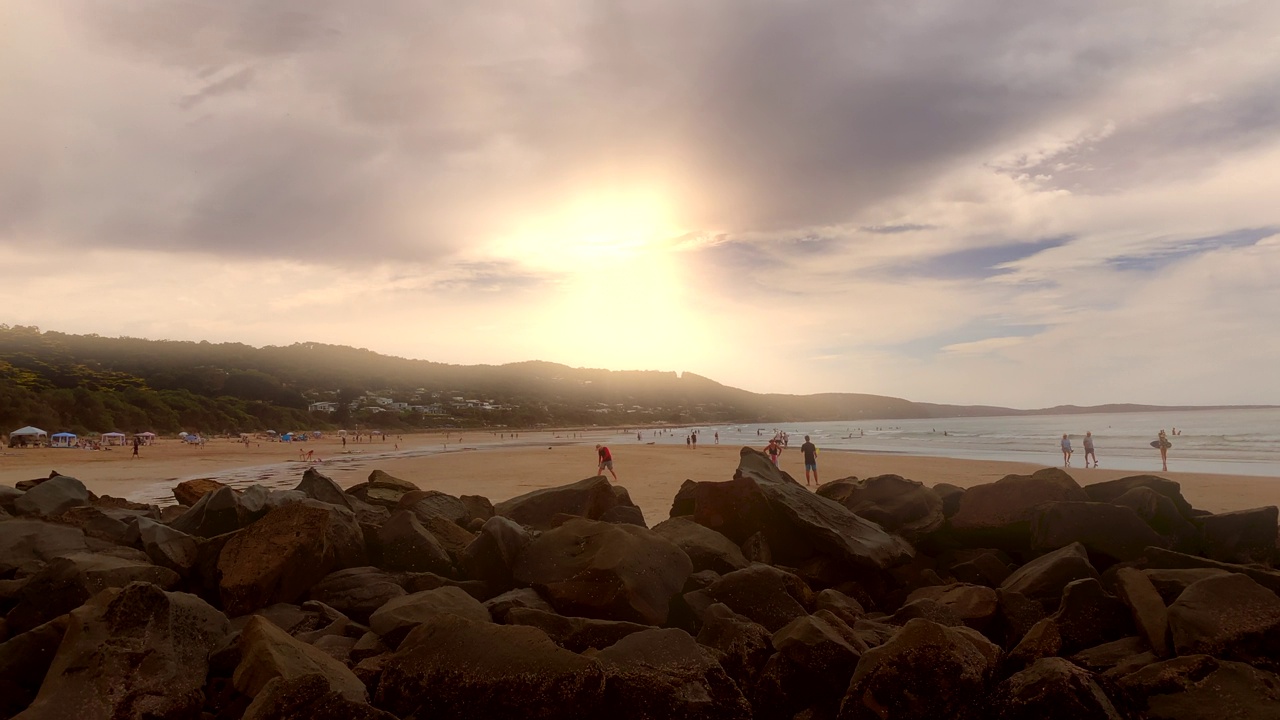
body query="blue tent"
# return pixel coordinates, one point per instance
(62, 440)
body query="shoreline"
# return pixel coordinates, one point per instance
(500, 469)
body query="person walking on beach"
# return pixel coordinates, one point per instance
(135, 448)
(1163, 441)
(1088, 449)
(810, 461)
(773, 449)
(1066, 450)
(606, 462)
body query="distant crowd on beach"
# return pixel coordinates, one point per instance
(1161, 443)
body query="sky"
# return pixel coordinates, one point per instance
(996, 202)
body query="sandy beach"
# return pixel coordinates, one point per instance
(502, 468)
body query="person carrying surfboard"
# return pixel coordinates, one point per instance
(1162, 442)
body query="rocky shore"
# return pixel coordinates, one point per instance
(1030, 597)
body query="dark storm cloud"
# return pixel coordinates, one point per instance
(411, 129)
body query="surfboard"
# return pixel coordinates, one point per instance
(1156, 444)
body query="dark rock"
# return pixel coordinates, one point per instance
(588, 498)
(1112, 533)
(765, 594)
(418, 582)
(525, 598)
(451, 668)
(925, 671)
(1169, 560)
(1171, 583)
(433, 503)
(1229, 617)
(874, 633)
(398, 616)
(52, 497)
(706, 548)
(842, 606)
(985, 569)
(999, 514)
(491, 556)
(605, 571)
(308, 697)
(280, 557)
(1018, 613)
(24, 660)
(357, 592)
(1044, 639)
(1244, 536)
(1044, 578)
(756, 549)
(166, 546)
(659, 673)
(1147, 608)
(1089, 616)
(382, 490)
(477, 507)
(189, 492)
(1051, 689)
(929, 610)
(1110, 655)
(951, 496)
(628, 514)
(700, 580)
(135, 652)
(404, 544)
(8, 495)
(1161, 514)
(1199, 687)
(67, 582)
(318, 486)
(267, 653)
(814, 659)
(743, 646)
(574, 633)
(222, 511)
(96, 523)
(975, 605)
(896, 504)
(367, 645)
(1111, 490)
(683, 503)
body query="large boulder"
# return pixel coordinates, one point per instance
(1052, 689)
(744, 646)
(589, 498)
(382, 489)
(1111, 490)
(814, 659)
(1158, 558)
(222, 511)
(280, 557)
(1161, 514)
(574, 633)
(500, 606)
(68, 581)
(189, 492)
(26, 545)
(24, 660)
(767, 595)
(1150, 615)
(1112, 533)
(357, 592)
(398, 616)
(1044, 578)
(999, 514)
(133, 652)
(661, 673)
(318, 486)
(896, 504)
(1199, 687)
(1171, 582)
(267, 653)
(450, 668)
(52, 497)
(1088, 615)
(795, 523)
(404, 544)
(604, 570)
(925, 671)
(975, 605)
(166, 546)
(1243, 536)
(1230, 617)
(491, 556)
(706, 548)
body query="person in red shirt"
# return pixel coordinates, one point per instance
(606, 461)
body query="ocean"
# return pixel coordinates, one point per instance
(1236, 442)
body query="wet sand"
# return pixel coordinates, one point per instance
(483, 464)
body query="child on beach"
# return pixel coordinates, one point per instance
(772, 450)
(1066, 450)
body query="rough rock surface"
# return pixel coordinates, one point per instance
(308, 697)
(765, 594)
(589, 498)
(1044, 578)
(1199, 687)
(605, 571)
(491, 556)
(814, 659)
(743, 646)
(69, 581)
(267, 652)
(25, 545)
(999, 514)
(1112, 532)
(52, 497)
(404, 544)
(280, 557)
(574, 633)
(222, 511)
(357, 592)
(1229, 617)
(898, 505)
(1243, 536)
(451, 668)
(1150, 615)
(663, 673)
(189, 492)
(1052, 689)
(400, 615)
(24, 660)
(527, 598)
(97, 671)
(706, 548)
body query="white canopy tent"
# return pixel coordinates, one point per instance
(113, 438)
(145, 438)
(28, 436)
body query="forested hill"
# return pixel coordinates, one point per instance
(81, 383)
(89, 383)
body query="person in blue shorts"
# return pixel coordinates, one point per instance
(810, 453)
